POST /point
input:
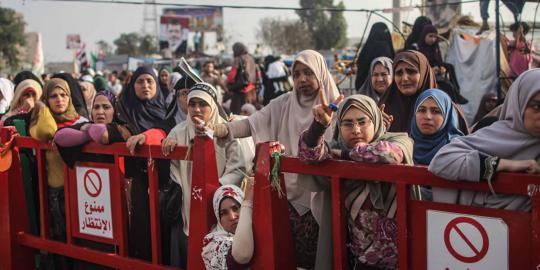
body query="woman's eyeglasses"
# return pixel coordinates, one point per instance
(350, 125)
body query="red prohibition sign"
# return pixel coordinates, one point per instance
(92, 185)
(478, 254)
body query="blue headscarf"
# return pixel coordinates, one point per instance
(426, 146)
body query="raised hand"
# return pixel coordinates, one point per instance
(387, 118)
(323, 112)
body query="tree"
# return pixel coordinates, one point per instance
(11, 36)
(328, 28)
(284, 36)
(128, 44)
(148, 45)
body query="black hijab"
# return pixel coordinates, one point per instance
(24, 75)
(417, 29)
(432, 52)
(378, 43)
(142, 115)
(77, 97)
(400, 106)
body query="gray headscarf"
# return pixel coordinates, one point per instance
(367, 88)
(401, 139)
(506, 138)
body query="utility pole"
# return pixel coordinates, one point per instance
(150, 25)
(396, 16)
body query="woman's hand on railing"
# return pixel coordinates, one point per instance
(322, 113)
(248, 193)
(168, 145)
(135, 140)
(526, 166)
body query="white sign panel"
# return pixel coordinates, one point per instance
(458, 241)
(94, 201)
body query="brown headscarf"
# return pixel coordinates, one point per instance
(70, 113)
(400, 106)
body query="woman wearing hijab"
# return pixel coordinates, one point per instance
(230, 243)
(242, 79)
(89, 93)
(428, 44)
(26, 75)
(434, 125)
(202, 108)
(378, 43)
(76, 93)
(6, 95)
(141, 108)
(164, 73)
(511, 144)
(27, 93)
(379, 78)
(487, 104)
(414, 37)
(57, 112)
(412, 75)
(282, 120)
(360, 135)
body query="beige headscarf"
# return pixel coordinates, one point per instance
(21, 89)
(184, 133)
(288, 115)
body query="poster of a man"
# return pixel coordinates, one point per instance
(173, 34)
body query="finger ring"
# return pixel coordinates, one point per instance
(333, 107)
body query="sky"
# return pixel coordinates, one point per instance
(98, 21)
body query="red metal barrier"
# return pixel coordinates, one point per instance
(17, 244)
(523, 227)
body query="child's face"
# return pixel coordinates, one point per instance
(431, 38)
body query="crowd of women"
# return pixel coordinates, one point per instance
(399, 117)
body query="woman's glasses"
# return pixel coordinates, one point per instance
(350, 125)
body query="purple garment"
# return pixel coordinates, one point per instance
(67, 137)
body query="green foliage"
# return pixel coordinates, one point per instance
(11, 37)
(127, 44)
(284, 36)
(135, 44)
(148, 45)
(328, 28)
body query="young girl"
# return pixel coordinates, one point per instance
(230, 243)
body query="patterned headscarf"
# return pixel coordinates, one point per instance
(70, 113)
(218, 243)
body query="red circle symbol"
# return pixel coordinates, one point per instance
(478, 253)
(92, 183)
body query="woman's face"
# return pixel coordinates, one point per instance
(305, 81)
(407, 78)
(531, 117)
(380, 78)
(28, 99)
(429, 117)
(182, 99)
(145, 87)
(430, 39)
(58, 101)
(85, 91)
(200, 109)
(164, 77)
(102, 110)
(229, 213)
(356, 127)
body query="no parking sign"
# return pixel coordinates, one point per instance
(94, 201)
(459, 241)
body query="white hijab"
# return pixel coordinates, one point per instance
(289, 115)
(217, 244)
(7, 89)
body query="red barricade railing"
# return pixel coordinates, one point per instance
(17, 244)
(270, 211)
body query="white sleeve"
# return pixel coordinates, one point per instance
(242, 247)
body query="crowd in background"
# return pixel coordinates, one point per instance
(406, 110)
